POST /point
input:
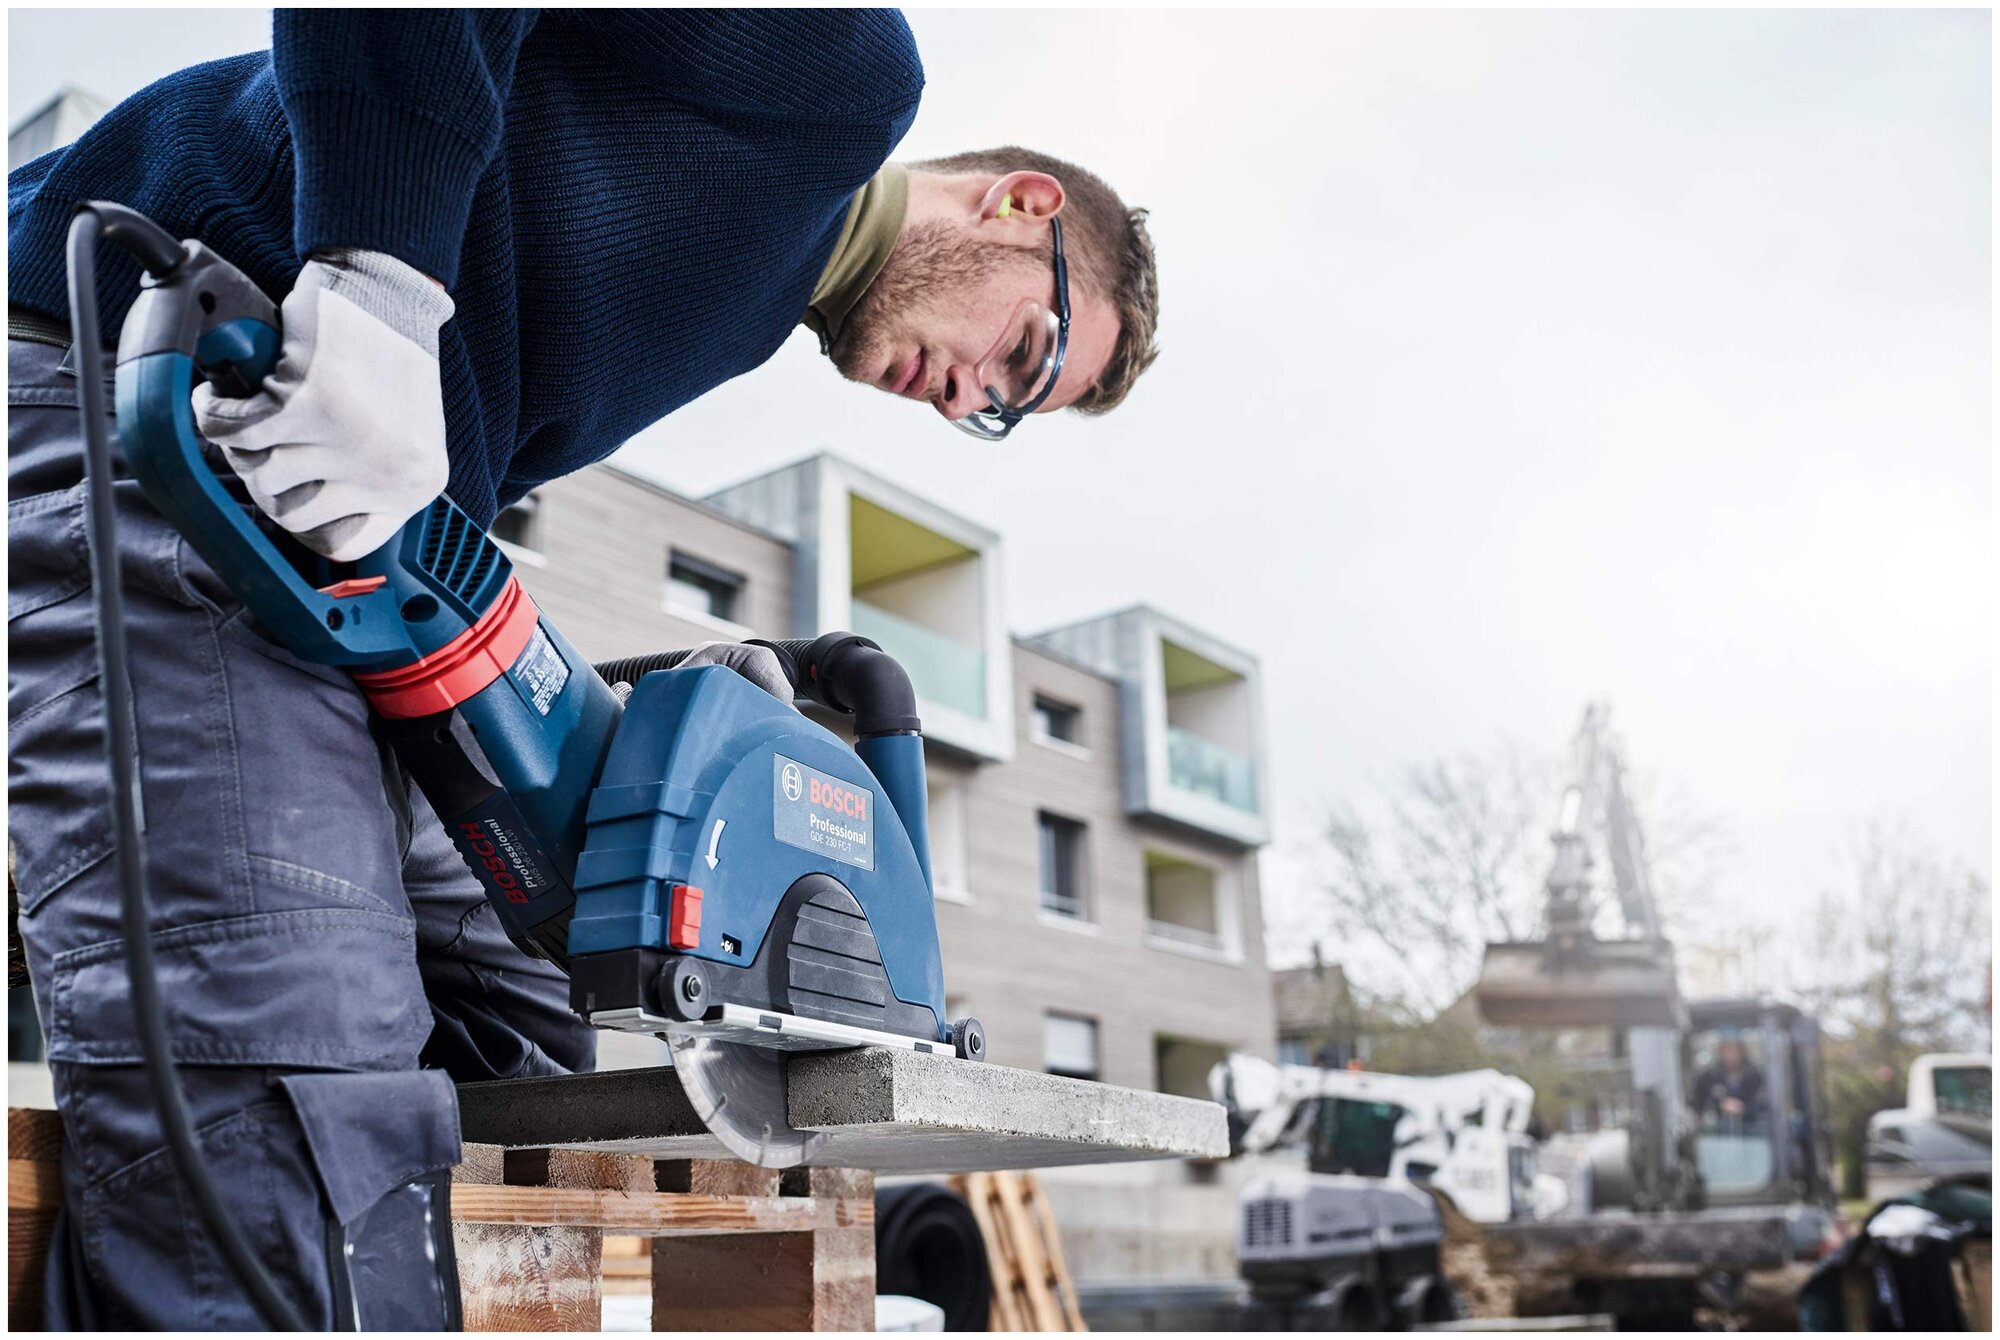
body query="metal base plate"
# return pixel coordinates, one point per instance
(794, 1033)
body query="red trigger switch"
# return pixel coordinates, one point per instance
(353, 586)
(684, 918)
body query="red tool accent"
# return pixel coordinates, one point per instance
(464, 666)
(353, 586)
(684, 921)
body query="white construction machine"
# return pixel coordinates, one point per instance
(1352, 1242)
(1943, 1132)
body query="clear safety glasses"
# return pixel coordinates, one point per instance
(1020, 371)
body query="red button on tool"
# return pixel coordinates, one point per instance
(353, 586)
(684, 921)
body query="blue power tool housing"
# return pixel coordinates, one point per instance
(740, 854)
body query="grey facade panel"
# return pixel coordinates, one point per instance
(603, 539)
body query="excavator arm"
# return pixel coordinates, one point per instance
(1572, 978)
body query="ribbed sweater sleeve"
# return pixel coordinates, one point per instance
(769, 64)
(394, 114)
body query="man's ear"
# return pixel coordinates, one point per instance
(1024, 195)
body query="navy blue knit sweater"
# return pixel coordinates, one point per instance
(629, 207)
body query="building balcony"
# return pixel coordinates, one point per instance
(1205, 768)
(1185, 935)
(1191, 731)
(943, 670)
(924, 583)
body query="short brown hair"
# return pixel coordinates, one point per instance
(1114, 260)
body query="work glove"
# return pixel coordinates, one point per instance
(759, 665)
(345, 442)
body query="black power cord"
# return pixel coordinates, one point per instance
(121, 747)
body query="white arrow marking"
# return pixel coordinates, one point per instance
(714, 838)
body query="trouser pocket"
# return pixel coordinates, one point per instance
(339, 1183)
(384, 1145)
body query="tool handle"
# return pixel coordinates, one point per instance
(845, 672)
(198, 316)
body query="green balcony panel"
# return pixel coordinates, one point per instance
(945, 672)
(1207, 769)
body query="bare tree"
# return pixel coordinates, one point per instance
(1452, 854)
(1895, 965)
(1439, 864)
(1904, 955)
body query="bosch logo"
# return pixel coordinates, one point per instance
(853, 804)
(474, 838)
(794, 784)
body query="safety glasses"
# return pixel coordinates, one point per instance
(1019, 373)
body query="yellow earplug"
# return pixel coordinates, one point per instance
(1006, 204)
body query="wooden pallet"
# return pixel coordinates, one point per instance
(1032, 1290)
(724, 1246)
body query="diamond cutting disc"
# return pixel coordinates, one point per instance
(739, 1094)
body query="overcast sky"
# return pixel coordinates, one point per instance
(1511, 359)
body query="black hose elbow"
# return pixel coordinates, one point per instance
(841, 671)
(849, 673)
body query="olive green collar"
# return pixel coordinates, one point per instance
(874, 222)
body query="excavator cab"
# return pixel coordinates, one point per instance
(1761, 1133)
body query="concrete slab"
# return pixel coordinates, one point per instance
(883, 1109)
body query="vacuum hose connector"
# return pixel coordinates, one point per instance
(843, 672)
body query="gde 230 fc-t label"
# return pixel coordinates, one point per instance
(820, 813)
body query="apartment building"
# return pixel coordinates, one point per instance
(1097, 792)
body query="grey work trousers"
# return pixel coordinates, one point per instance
(329, 965)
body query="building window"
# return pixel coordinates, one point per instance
(1056, 721)
(1062, 867)
(519, 525)
(696, 586)
(1181, 1065)
(1069, 1045)
(1295, 1051)
(1184, 905)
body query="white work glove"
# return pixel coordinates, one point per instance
(759, 665)
(346, 440)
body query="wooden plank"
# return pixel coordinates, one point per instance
(484, 1164)
(33, 1185)
(715, 1177)
(820, 1280)
(28, 1236)
(833, 1183)
(1032, 1290)
(628, 1264)
(743, 1282)
(34, 1194)
(34, 1133)
(816, 1281)
(535, 1276)
(1058, 1263)
(1032, 1263)
(844, 1278)
(654, 1214)
(1007, 1311)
